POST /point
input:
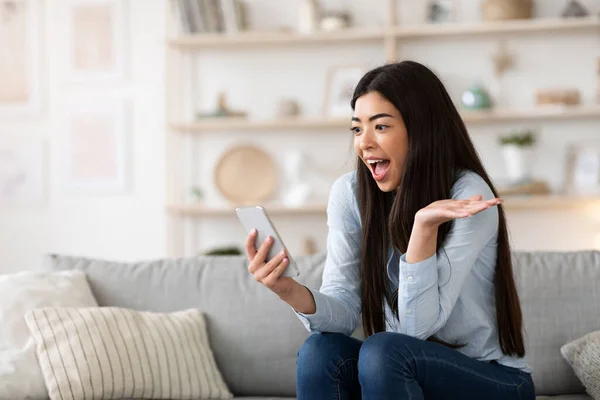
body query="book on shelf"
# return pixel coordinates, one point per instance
(211, 16)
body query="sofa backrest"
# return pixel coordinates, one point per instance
(255, 336)
(560, 299)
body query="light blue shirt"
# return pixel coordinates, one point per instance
(450, 294)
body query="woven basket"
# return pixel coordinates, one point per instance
(498, 10)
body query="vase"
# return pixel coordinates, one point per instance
(518, 162)
(476, 98)
(308, 16)
(297, 189)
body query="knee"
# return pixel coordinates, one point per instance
(382, 353)
(318, 351)
(318, 347)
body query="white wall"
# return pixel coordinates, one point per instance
(127, 226)
(132, 226)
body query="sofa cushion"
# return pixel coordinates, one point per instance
(583, 355)
(111, 353)
(20, 373)
(560, 298)
(254, 335)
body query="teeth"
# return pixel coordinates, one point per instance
(374, 161)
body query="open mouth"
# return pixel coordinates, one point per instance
(379, 168)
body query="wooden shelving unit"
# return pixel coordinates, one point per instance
(512, 203)
(361, 35)
(180, 47)
(470, 117)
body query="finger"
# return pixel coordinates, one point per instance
(266, 269)
(477, 197)
(276, 274)
(261, 255)
(264, 249)
(250, 244)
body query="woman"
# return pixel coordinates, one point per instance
(418, 243)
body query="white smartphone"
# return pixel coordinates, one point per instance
(256, 217)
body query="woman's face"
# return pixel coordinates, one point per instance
(380, 139)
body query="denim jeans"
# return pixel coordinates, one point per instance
(393, 366)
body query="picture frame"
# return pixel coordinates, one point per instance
(20, 58)
(582, 175)
(23, 171)
(339, 89)
(96, 146)
(96, 40)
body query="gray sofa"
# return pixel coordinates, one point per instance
(255, 336)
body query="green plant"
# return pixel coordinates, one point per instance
(197, 192)
(223, 251)
(519, 138)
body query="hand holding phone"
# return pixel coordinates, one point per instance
(270, 262)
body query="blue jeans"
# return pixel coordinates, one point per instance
(388, 365)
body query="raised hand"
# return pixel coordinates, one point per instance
(442, 211)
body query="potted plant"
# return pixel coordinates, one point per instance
(517, 150)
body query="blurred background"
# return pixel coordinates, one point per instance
(131, 129)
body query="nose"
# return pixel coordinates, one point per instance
(367, 140)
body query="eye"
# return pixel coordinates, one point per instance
(381, 127)
(355, 130)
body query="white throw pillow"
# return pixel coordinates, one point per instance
(20, 374)
(117, 353)
(583, 355)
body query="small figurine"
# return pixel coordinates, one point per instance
(440, 11)
(575, 10)
(503, 60)
(222, 110)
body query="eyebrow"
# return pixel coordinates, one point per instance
(374, 117)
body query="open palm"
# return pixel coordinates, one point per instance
(442, 211)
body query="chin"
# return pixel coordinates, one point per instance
(387, 186)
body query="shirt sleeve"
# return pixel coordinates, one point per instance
(424, 306)
(338, 301)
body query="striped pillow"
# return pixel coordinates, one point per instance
(115, 353)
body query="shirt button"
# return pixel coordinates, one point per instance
(409, 311)
(410, 278)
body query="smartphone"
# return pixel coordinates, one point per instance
(255, 217)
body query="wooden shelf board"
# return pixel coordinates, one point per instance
(330, 123)
(536, 202)
(272, 209)
(208, 40)
(512, 26)
(541, 202)
(542, 112)
(257, 125)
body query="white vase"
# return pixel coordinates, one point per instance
(518, 161)
(308, 15)
(297, 188)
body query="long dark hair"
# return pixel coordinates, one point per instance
(439, 147)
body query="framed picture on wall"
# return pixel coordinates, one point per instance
(19, 58)
(96, 146)
(22, 171)
(96, 40)
(583, 169)
(339, 88)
